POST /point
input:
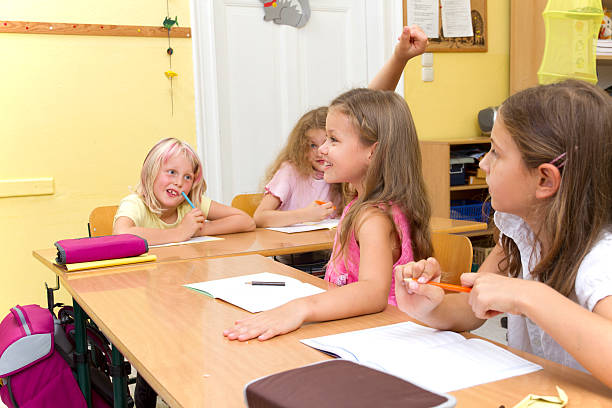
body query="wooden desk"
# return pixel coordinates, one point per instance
(173, 336)
(261, 241)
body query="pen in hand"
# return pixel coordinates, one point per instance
(446, 286)
(188, 200)
(323, 202)
(262, 283)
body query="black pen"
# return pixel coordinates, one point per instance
(262, 283)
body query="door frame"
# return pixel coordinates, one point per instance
(383, 25)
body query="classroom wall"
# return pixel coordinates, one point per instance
(464, 83)
(84, 110)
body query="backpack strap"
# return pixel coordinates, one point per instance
(10, 392)
(20, 317)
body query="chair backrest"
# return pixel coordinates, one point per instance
(247, 202)
(454, 253)
(101, 220)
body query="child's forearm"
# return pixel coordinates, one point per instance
(278, 218)
(156, 236)
(454, 313)
(390, 73)
(585, 335)
(227, 225)
(355, 299)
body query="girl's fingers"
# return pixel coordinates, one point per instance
(468, 279)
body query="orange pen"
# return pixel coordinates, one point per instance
(323, 202)
(446, 286)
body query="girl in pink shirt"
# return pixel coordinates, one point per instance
(372, 144)
(295, 179)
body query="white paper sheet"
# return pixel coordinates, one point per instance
(425, 14)
(193, 240)
(307, 226)
(456, 18)
(256, 298)
(442, 361)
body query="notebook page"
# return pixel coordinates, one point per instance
(193, 240)
(256, 298)
(439, 360)
(307, 226)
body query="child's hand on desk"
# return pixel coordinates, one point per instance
(318, 212)
(265, 325)
(493, 294)
(192, 222)
(414, 297)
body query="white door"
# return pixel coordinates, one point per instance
(254, 78)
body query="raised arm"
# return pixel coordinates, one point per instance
(412, 42)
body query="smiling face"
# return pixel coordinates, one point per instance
(511, 184)
(316, 137)
(347, 158)
(174, 177)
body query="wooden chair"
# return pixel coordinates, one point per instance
(101, 221)
(454, 253)
(247, 202)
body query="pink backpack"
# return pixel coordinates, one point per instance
(33, 373)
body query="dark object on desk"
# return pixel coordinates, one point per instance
(99, 248)
(262, 283)
(339, 383)
(486, 118)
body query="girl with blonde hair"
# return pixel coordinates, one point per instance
(158, 210)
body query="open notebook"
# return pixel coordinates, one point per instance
(256, 298)
(443, 361)
(307, 226)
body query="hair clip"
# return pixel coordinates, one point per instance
(561, 156)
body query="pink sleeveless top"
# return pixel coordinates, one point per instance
(340, 274)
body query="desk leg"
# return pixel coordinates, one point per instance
(119, 372)
(80, 336)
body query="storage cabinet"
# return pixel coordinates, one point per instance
(436, 157)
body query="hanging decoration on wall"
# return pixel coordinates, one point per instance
(168, 23)
(285, 12)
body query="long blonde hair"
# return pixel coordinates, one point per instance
(296, 151)
(160, 153)
(394, 174)
(575, 119)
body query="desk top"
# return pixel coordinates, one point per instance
(261, 241)
(173, 336)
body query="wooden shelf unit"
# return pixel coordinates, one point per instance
(436, 172)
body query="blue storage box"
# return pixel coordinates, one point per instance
(470, 210)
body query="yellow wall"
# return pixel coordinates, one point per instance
(83, 110)
(464, 83)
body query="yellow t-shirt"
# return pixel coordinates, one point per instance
(135, 209)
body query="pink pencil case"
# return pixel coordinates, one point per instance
(99, 248)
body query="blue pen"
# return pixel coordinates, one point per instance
(188, 200)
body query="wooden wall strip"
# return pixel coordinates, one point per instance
(27, 27)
